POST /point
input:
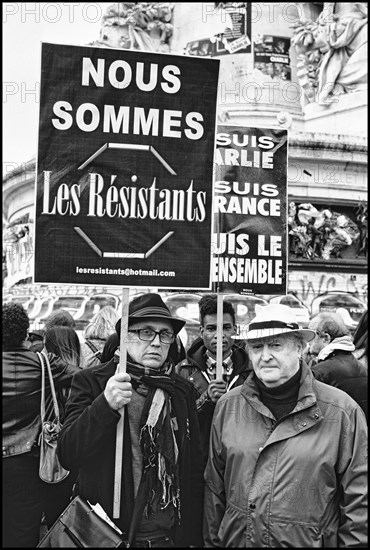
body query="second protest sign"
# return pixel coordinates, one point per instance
(250, 239)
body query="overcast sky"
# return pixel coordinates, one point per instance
(25, 26)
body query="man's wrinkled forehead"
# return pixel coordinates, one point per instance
(270, 339)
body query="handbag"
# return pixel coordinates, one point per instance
(80, 527)
(50, 469)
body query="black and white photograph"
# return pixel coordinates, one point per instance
(185, 275)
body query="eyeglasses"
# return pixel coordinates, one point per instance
(148, 335)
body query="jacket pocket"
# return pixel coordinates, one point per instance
(232, 529)
(287, 533)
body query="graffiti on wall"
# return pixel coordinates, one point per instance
(307, 285)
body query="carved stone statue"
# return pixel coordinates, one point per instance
(332, 51)
(142, 26)
(361, 218)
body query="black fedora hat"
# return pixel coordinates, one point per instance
(150, 306)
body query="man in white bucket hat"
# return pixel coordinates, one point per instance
(287, 460)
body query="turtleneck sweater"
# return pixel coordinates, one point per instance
(282, 399)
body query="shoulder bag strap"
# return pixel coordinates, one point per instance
(43, 357)
(42, 403)
(91, 346)
(94, 349)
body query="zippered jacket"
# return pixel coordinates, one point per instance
(299, 482)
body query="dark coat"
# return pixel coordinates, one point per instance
(192, 369)
(21, 375)
(342, 370)
(88, 441)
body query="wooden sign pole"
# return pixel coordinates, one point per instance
(120, 426)
(220, 332)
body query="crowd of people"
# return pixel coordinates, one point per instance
(270, 454)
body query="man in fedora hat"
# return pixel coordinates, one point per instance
(287, 462)
(162, 483)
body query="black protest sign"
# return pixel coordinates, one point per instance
(250, 205)
(125, 162)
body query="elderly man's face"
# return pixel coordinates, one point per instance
(149, 354)
(275, 359)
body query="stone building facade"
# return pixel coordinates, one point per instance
(279, 67)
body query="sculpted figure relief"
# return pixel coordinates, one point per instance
(137, 25)
(320, 234)
(332, 51)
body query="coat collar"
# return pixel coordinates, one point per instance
(344, 343)
(306, 394)
(304, 416)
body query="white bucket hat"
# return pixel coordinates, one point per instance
(276, 319)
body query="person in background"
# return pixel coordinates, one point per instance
(199, 367)
(63, 342)
(96, 333)
(61, 318)
(177, 350)
(162, 481)
(36, 340)
(309, 359)
(110, 347)
(336, 364)
(21, 371)
(360, 340)
(287, 463)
